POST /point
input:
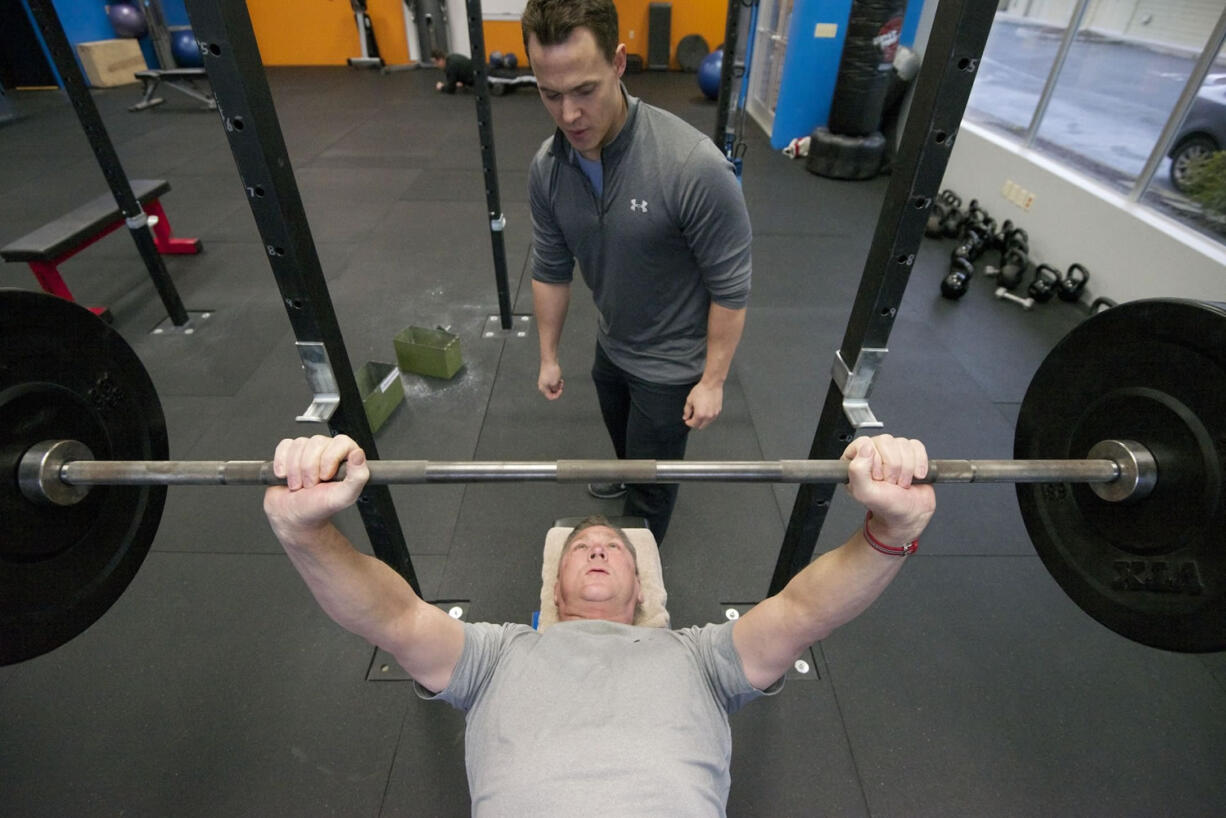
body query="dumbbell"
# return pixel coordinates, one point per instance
(1025, 303)
(1046, 280)
(1072, 283)
(958, 279)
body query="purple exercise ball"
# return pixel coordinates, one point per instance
(127, 20)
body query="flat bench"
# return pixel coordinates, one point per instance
(52, 244)
(182, 80)
(503, 81)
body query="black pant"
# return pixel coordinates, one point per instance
(644, 422)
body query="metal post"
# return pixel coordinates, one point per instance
(244, 101)
(485, 125)
(100, 141)
(1175, 121)
(955, 47)
(1053, 76)
(159, 34)
(731, 28)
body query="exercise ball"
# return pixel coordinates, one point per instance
(509, 60)
(185, 49)
(495, 59)
(127, 20)
(709, 71)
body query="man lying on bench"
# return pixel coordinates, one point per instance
(594, 710)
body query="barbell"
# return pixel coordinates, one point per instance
(1120, 447)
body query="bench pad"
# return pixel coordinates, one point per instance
(67, 232)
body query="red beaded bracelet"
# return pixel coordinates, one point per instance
(890, 550)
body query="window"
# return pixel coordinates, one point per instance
(1017, 60)
(1190, 181)
(1094, 84)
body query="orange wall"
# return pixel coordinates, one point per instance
(504, 36)
(705, 17)
(323, 32)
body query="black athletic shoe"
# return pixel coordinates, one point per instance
(606, 491)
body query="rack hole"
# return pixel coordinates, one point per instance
(215, 49)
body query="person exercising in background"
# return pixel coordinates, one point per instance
(457, 69)
(594, 713)
(654, 214)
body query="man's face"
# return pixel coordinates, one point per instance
(581, 89)
(597, 578)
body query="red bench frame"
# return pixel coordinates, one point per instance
(47, 270)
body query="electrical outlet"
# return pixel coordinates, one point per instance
(1017, 194)
(631, 37)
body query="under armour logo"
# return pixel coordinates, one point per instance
(641, 207)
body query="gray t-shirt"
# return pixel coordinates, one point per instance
(597, 718)
(668, 235)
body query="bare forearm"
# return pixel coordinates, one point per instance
(550, 303)
(837, 587)
(360, 593)
(724, 328)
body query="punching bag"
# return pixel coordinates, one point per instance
(865, 68)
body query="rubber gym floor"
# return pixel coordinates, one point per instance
(215, 686)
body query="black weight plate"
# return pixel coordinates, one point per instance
(64, 374)
(692, 49)
(1154, 372)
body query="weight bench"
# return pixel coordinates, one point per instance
(502, 81)
(52, 244)
(182, 80)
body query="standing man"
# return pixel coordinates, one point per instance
(457, 69)
(654, 214)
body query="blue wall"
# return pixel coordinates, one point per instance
(85, 21)
(811, 65)
(810, 68)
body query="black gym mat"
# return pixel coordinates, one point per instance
(218, 660)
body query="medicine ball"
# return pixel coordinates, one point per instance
(185, 49)
(127, 20)
(709, 71)
(509, 60)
